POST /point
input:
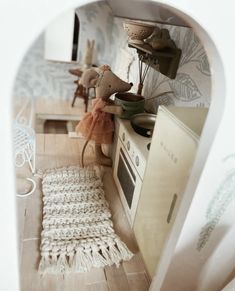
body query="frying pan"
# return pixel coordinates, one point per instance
(143, 123)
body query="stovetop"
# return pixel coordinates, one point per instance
(135, 144)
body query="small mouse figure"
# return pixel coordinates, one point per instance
(98, 124)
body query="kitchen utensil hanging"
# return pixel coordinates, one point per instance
(143, 71)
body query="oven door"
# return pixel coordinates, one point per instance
(127, 181)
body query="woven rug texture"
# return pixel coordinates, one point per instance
(77, 230)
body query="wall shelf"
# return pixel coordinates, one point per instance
(166, 61)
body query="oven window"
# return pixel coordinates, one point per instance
(125, 181)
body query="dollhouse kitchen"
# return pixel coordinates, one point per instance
(109, 107)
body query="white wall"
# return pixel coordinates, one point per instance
(204, 257)
(218, 137)
(38, 77)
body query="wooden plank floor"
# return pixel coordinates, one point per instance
(55, 150)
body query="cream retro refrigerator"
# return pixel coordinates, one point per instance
(172, 152)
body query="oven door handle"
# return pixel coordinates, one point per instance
(127, 165)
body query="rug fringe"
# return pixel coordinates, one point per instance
(85, 258)
(126, 254)
(62, 263)
(97, 258)
(44, 264)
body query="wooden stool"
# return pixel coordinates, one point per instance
(80, 91)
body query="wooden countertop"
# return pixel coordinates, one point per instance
(59, 109)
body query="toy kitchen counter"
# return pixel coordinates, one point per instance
(57, 110)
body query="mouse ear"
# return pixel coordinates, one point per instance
(94, 82)
(89, 78)
(105, 68)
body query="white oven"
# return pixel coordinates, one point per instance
(129, 167)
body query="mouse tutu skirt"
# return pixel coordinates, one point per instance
(97, 125)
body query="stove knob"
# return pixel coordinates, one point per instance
(128, 145)
(137, 161)
(123, 136)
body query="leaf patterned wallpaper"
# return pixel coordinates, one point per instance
(38, 77)
(220, 202)
(192, 85)
(96, 22)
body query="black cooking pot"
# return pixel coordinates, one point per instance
(143, 123)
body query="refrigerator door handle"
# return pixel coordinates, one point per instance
(173, 202)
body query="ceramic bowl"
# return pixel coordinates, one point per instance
(137, 31)
(131, 103)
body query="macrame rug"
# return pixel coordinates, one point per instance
(77, 230)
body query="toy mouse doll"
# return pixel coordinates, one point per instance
(98, 125)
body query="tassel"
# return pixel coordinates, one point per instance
(71, 259)
(97, 259)
(88, 259)
(44, 264)
(124, 251)
(71, 254)
(82, 261)
(62, 264)
(114, 254)
(106, 255)
(54, 259)
(77, 261)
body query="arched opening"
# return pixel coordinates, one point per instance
(213, 117)
(75, 38)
